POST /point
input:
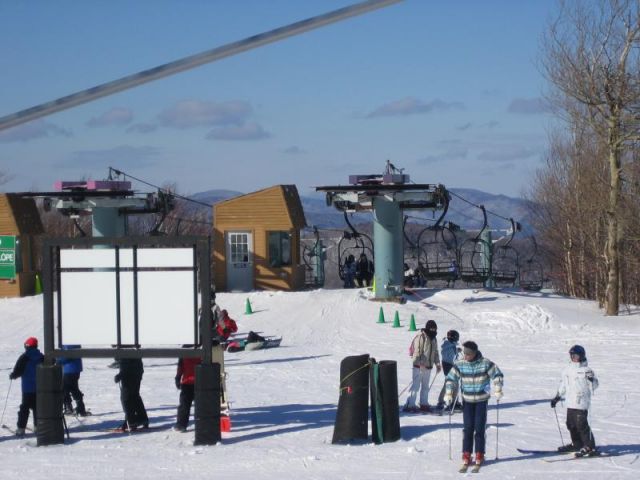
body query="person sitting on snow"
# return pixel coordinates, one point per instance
(577, 383)
(226, 325)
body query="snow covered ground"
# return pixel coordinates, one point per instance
(284, 399)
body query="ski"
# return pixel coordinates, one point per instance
(476, 468)
(13, 431)
(573, 457)
(541, 452)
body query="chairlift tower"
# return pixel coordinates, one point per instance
(387, 196)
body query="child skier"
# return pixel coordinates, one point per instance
(71, 369)
(474, 374)
(185, 381)
(449, 353)
(577, 383)
(25, 368)
(424, 355)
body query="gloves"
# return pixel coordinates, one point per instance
(448, 399)
(177, 379)
(555, 401)
(116, 379)
(12, 376)
(589, 376)
(497, 392)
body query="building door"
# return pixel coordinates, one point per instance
(239, 254)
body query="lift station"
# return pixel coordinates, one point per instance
(387, 196)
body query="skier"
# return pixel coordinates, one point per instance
(449, 352)
(225, 326)
(71, 368)
(129, 377)
(25, 368)
(474, 374)
(577, 383)
(424, 355)
(349, 271)
(185, 380)
(364, 271)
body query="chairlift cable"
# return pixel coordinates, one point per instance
(165, 190)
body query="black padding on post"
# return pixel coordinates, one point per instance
(388, 389)
(50, 427)
(352, 414)
(207, 408)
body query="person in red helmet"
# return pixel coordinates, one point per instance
(226, 325)
(25, 368)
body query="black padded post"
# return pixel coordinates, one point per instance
(388, 388)
(207, 404)
(352, 414)
(50, 427)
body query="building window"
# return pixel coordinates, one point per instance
(279, 249)
(239, 243)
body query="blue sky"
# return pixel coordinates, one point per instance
(448, 90)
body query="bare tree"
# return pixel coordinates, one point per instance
(591, 58)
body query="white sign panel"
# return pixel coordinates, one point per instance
(88, 282)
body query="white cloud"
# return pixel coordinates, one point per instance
(124, 156)
(528, 106)
(248, 131)
(413, 106)
(33, 130)
(197, 113)
(114, 117)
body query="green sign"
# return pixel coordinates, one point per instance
(7, 256)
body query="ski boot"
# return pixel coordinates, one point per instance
(570, 447)
(586, 452)
(466, 461)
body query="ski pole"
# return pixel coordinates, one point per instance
(497, 425)
(558, 422)
(405, 388)
(451, 413)
(5, 402)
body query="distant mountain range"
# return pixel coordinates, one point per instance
(462, 210)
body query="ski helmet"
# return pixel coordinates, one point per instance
(453, 336)
(578, 350)
(31, 342)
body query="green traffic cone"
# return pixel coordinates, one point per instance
(38, 285)
(396, 320)
(247, 308)
(381, 316)
(412, 324)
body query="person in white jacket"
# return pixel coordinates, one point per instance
(576, 386)
(424, 356)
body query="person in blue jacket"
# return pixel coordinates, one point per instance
(71, 369)
(25, 369)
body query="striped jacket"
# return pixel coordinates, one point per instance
(474, 378)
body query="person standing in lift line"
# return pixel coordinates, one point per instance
(576, 386)
(424, 355)
(474, 374)
(25, 369)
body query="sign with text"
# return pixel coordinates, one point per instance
(7, 256)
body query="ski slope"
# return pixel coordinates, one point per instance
(284, 399)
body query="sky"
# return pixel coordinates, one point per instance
(449, 91)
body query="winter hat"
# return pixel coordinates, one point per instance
(453, 336)
(580, 351)
(470, 348)
(431, 325)
(31, 342)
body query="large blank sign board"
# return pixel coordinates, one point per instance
(93, 281)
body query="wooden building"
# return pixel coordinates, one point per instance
(20, 224)
(256, 241)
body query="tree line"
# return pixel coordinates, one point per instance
(586, 195)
